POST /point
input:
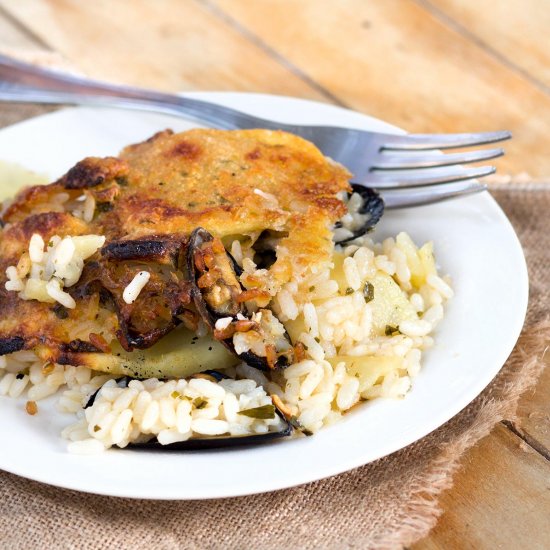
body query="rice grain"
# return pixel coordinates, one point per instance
(131, 292)
(210, 427)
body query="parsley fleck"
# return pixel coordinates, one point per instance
(200, 403)
(368, 292)
(391, 330)
(266, 412)
(104, 206)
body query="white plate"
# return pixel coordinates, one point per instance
(474, 242)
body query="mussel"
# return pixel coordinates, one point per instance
(210, 442)
(365, 216)
(218, 442)
(258, 339)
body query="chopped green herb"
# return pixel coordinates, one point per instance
(50, 244)
(266, 412)
(368, 292)
(311, 288)
(297, 425)
(191, 204)
(391, 330)
(161, 183)
(104, 206)
(96, 428)
(222, 199)
(175, 394)
(349, 291)
(200, 403)
(60, 311)
(122, 180)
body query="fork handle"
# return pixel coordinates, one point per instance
(26, 83)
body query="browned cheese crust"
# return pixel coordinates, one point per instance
(148, 201)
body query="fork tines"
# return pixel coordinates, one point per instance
(408, 161)
(420, 196)
(418, 178)
(402, 163)
(419, 142)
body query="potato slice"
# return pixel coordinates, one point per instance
(178, 354)
(369, 369)
(426, 255)
(420, 260)
(14, 177)
(390, 305)
(406, 245)
(295, 327)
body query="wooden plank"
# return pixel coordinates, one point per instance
(518, 30)
(13, 38)
(167, 44)
(533, 422)
(511, 484)
(395, 60)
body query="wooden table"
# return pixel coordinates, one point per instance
(428, 66)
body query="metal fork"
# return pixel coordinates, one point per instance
(408, 170)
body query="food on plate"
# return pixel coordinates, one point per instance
(208, 287)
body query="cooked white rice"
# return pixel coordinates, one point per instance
(172, 411)
(46, 269)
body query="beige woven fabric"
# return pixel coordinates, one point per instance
(387, 504)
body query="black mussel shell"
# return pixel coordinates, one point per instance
(236, 267)
(216, 442)
(284, 360)
(91, 399)
(216, 374)
(225, 441)
(373, 205)
(121, 383)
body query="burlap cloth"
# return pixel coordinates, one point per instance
(387, 504)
